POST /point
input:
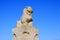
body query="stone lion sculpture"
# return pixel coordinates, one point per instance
(26, 18)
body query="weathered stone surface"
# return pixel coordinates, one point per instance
(25, 29)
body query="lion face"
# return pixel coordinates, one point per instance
(28, 10)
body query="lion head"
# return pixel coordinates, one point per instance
(28, 10)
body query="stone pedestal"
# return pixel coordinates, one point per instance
(25, 29)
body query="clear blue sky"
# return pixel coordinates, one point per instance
(46, 17)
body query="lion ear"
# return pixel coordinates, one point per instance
(26, 7)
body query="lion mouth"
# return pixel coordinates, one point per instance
(30, 11)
